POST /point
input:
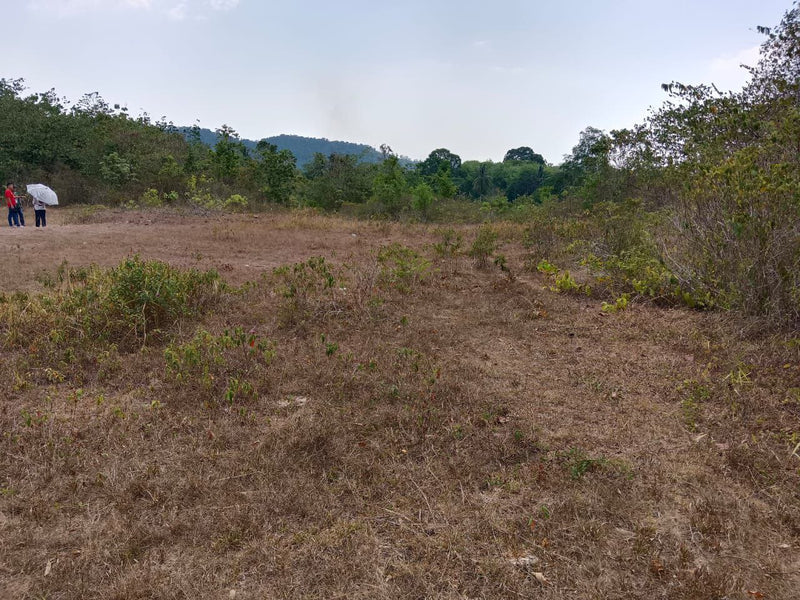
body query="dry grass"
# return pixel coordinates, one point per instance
(462, 436)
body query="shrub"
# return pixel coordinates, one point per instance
(401, 267)
(308, 290)
(740, 224)
(225, 367)
(150, 198)
(146, 296)
(450, 244)
(134, 303)
(235, 202)
(484, 246)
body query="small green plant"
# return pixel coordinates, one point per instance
(484, 246)
(222, 365)
(694, 396)
(330, 347)
(450, 243)
(547, 268)
(34, 419)
(579, 463)
(619, 304)
(308, 289)
(501, 262)
(401, 267)
(565, 283)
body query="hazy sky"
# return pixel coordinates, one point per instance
(477, 78)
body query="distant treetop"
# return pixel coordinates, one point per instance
(523, 154)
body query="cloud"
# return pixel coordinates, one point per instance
(173, 9)
(223, 4)
(178, 12)
(726, 71)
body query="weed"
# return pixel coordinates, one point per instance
(220, 366)
(501, 262)
(308, 289)
(401, 267)
(563, 281)
(694, 396)
(95, 313)
(450, 244)
(579, 463)
(547, 268)
(619, 304)
(484, 246)
(330, 347)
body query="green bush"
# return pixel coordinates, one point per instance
(450, 244)
(225, 367)
(401, 267)
(132, 304)
(484, 246)
(308, 290)
(740, 224)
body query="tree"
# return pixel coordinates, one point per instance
(439, 159)
(335, 180)
(390, 188)
(228, 155)
(523, 154)
(526, 181)
(777, 74)
(481, 184)
(275, 172)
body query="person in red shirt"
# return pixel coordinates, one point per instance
(13, 204)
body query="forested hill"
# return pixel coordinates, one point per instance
(303, 148)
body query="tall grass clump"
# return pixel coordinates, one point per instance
(127, 306)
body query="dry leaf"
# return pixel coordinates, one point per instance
(524, 561)
(541, 578)
(656, 567)
(755, 593)
(48, 567)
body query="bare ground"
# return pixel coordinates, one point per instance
(476, 436)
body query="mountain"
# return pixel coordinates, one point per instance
(303, 148)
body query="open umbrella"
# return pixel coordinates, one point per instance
(43, 194)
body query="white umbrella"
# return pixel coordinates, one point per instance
(43, 194)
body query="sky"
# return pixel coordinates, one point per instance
(475, 77)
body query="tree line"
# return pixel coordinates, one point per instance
(92, 151)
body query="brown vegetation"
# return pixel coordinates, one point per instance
(389, 422)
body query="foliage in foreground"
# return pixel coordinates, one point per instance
(95, 309)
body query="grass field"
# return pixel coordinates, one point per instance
(356, 410)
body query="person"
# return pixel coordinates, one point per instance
(12, 201)
(40, 210)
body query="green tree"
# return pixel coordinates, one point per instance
(390, 189)
(437, 160)
(523, 154)
(228, 156)
(335, 180)
(275, 172)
